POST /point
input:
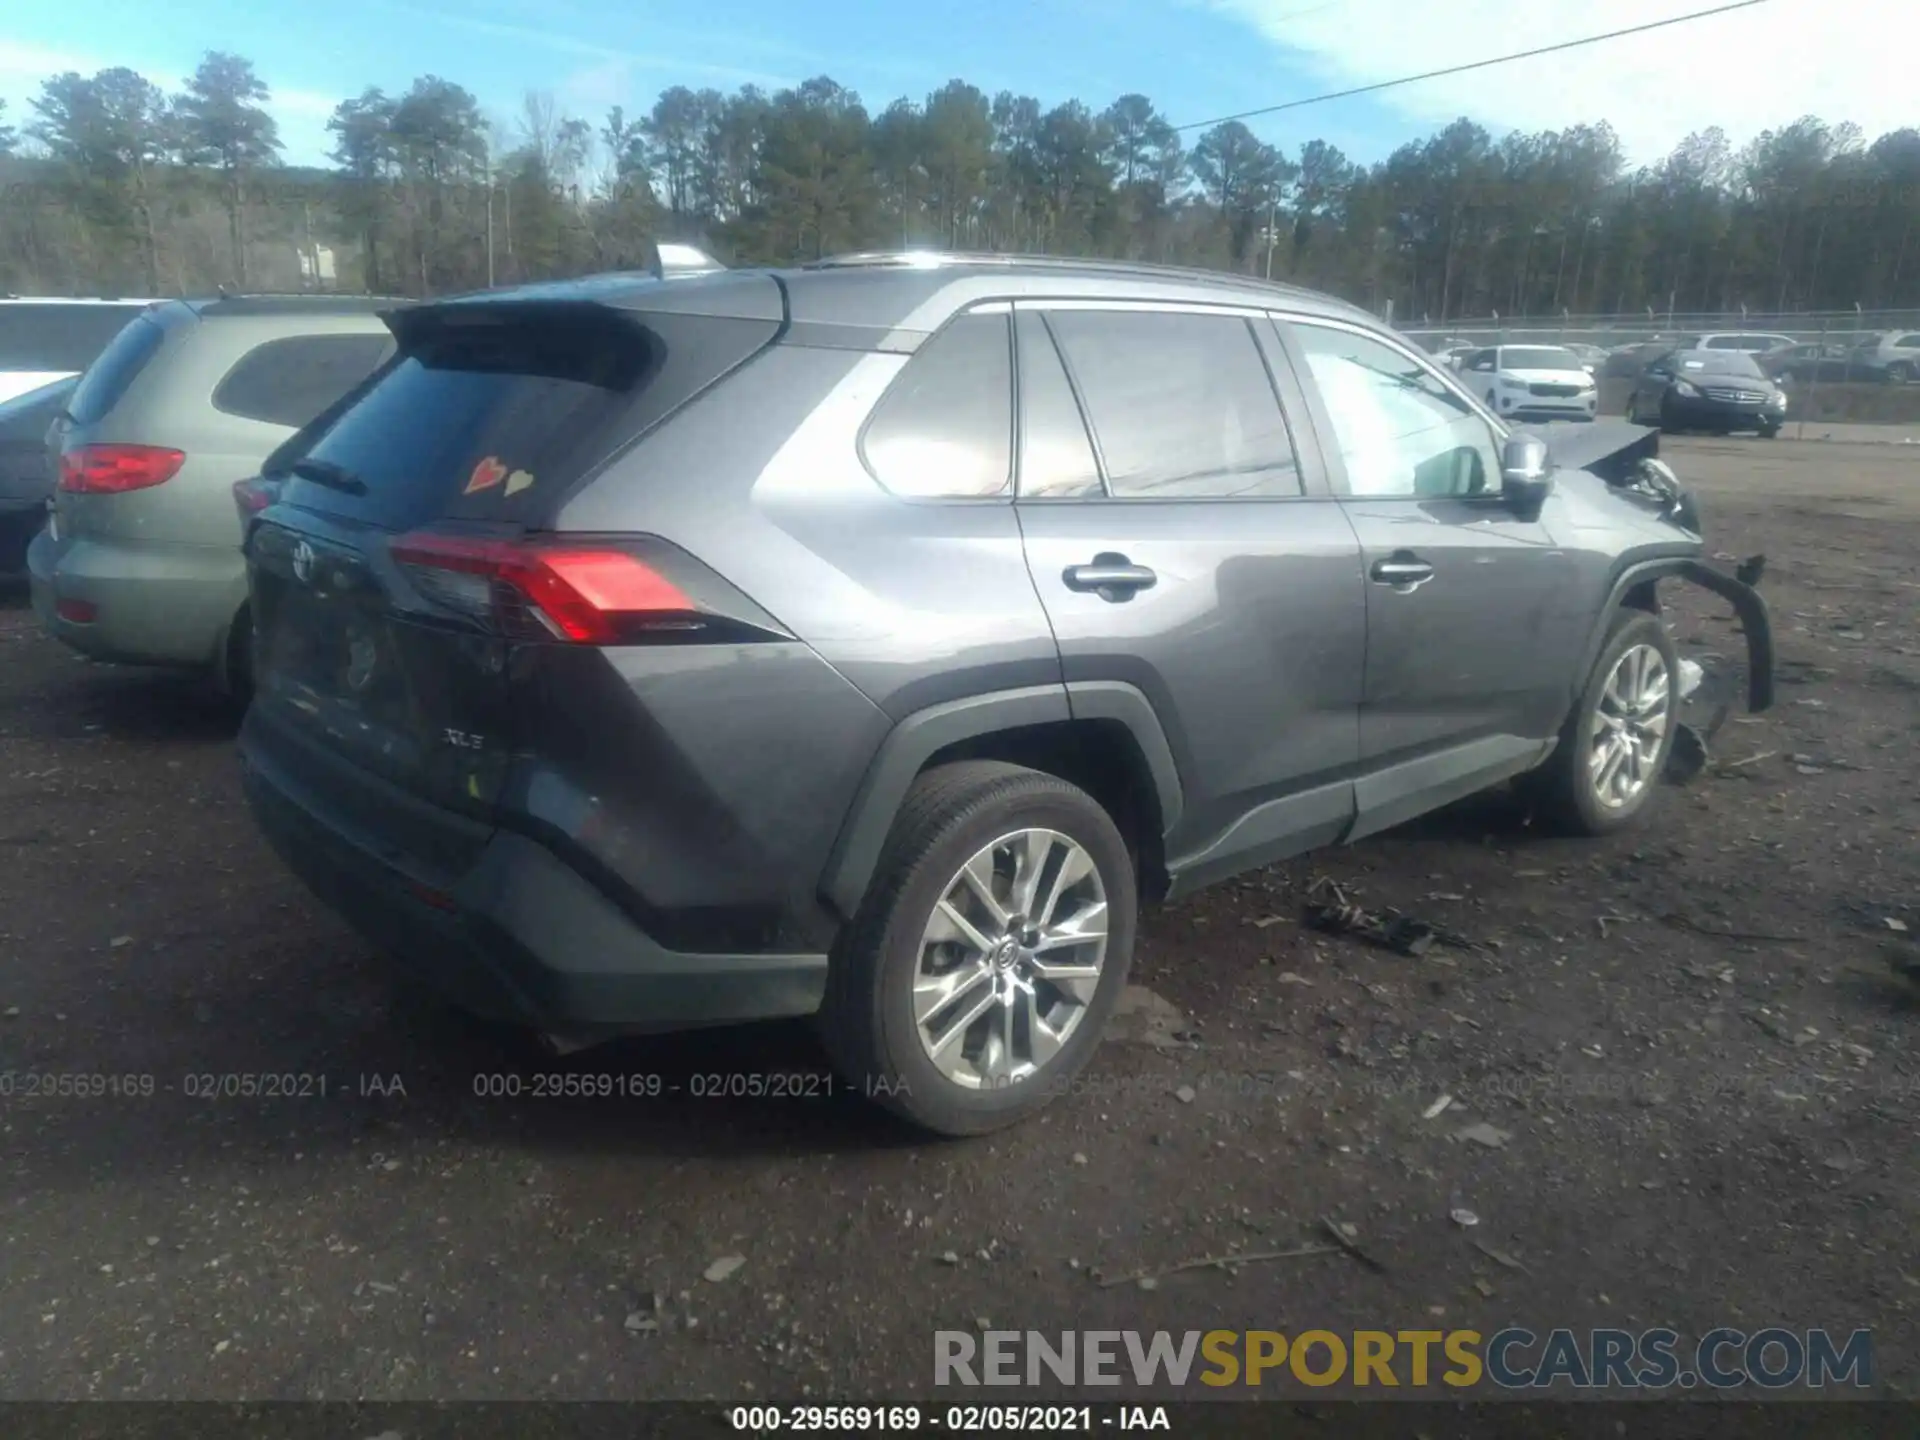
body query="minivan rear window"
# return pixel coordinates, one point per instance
(56, 337)
(497, 417)
(119, 365)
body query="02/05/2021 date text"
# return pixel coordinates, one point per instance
(640, 1085)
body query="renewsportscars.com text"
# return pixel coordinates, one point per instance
(1512, 1359)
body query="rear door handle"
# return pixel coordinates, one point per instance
(1113, 578)
(1401, 570)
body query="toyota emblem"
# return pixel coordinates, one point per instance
(303, 558)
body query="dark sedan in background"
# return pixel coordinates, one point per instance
(1717, 390)
(26, 477)
(1823, 363)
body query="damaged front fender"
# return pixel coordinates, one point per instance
(1754, 621)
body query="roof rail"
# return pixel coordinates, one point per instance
(938, 259)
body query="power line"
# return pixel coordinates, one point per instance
(1472, 65)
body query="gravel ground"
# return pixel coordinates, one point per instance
(1697, 1060)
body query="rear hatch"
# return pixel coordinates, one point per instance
(409, 557)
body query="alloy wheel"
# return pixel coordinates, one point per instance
(1630, 725)
(1011, 959)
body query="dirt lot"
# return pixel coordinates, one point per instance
(1701, 1130)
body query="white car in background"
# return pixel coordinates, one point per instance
(47, 340)
(1531, 383)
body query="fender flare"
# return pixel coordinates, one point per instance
(1746, 601)
(920, 736)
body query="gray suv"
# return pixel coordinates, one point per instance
(140, 561)
(870, 640)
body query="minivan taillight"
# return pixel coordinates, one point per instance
(584, 593)
(116, 469)
(253, 496)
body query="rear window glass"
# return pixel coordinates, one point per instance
(1723, 362)
(58, 337)
(496, 420)
(117, 367)
(290, 381)
(945, 428)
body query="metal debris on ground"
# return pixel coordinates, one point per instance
(1688, 756)
(1403, 934)
(1899, 927)
(1682, 922)
(1342, 1236)
(1750, 760)
(1217, 1262)
(1463, 1217)
(1433, 1111)
(1500, 1257)
(1481, 1133)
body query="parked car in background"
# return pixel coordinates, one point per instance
(1717, 390)
(1525, 383)
(26, 480)
(1894, 356)
(1452, 355)
(1751, 342)
(43, 340)
(140, 561)
(1821, 363)
(1625, 362)
(636, 655)
(1591, 356)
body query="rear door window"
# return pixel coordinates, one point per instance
(944, 429)
(64, 338)
(1180, 403)
(291, 380)
(498, 420)
(1056, 455)
(118, 366)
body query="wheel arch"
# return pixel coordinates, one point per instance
(1101, 736)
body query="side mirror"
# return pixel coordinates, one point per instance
(1526, 474)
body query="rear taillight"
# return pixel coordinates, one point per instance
(116, 469)
(255, 495)
(587, 594)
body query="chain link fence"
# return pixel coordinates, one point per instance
(1837, 327)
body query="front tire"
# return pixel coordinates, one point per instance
(1901, 373)
(1613, 749)
(993, 943)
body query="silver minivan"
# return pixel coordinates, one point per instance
(140, 561)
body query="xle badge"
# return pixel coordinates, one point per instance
(487, 474)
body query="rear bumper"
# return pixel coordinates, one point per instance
(518, 935)
(152, 604)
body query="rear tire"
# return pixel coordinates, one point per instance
(1580, 789)
(961, 1038)
(1901, 373)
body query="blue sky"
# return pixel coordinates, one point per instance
(1197, 59)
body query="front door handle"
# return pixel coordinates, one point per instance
(1403, 570)
(1112, 577)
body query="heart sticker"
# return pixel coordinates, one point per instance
(518, 481)
(487, 474)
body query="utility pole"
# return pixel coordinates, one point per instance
(489, 164)
(1273, 206)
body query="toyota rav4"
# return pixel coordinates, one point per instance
(871, 640)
